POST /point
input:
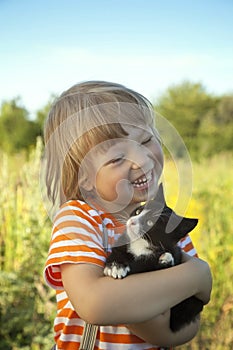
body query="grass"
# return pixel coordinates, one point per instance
(212, 204)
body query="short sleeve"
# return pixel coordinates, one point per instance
(76, 238)
(187, 246)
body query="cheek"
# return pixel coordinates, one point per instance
(108, 184)
(113, 186)
(157, 155)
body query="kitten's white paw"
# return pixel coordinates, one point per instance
(116, 271)
(166, 259)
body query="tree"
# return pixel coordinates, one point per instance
(216, 130)
(185, 105)
(17, 132)
(42, 113)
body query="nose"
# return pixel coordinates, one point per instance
(139, 158)
(135, 166)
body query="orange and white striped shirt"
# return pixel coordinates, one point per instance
(77, 237)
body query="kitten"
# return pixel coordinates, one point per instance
(150, 243)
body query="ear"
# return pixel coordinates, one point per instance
(185, 226)
(85, 183)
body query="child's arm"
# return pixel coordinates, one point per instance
(137, 298)
(164, 336)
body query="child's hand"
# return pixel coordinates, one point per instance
(201, 273)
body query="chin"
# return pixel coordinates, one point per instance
(144, 196)
(138, 198)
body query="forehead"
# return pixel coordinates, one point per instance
(112, 147)
(106, 116)
(136, 132)
(133, 133)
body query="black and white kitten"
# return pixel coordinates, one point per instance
(152, 233)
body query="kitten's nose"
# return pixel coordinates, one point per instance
(132, 221)
(133, 227)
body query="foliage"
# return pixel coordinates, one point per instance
(216, 130)
(212, 204)
(204, 121)
(17, 132)
(26, 304)
(43, 112)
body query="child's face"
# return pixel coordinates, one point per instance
(128, 172)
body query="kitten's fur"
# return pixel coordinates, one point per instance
(152, 233)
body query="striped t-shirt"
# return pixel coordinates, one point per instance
(77, 237)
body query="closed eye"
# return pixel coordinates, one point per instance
(116, 160)
(147, 140)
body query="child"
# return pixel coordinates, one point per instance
(103, 159)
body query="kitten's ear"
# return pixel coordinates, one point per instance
(185, 226)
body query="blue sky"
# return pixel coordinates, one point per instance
(47, 46)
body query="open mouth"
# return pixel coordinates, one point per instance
(143, 180)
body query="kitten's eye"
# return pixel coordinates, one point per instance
(138, 211)
(150, 223)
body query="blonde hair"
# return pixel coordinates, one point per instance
(86, 114)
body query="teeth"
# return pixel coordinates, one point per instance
(142, 180)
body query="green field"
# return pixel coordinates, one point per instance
(212, 203)
(27, 306)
